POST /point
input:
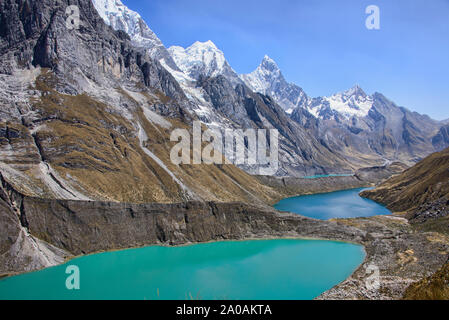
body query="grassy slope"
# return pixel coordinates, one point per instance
(424, 183)
(98, 151)
(435, 287)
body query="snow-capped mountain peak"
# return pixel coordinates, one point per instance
(262, 79)
(349, 103)
(355, 91)
(201, 59)
(268, 79)
(120, 17)
(270, 65)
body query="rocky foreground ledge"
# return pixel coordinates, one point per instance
(38, 233)
(396, 252)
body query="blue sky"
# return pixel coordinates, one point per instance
(323, 45)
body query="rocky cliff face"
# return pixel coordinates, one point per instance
(37, 233)
(19, 250)
(83, 227)
(422, 193)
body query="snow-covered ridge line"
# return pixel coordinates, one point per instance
(120, 17)
(204, 60)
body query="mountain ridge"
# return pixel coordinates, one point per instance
(120, 17)
(421, 191)
(87, 115)
(367, 130)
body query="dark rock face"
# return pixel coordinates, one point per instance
(86, 227)
(35, 33)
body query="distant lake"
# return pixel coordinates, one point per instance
(266, 269)
(329, 176)
(340, 204)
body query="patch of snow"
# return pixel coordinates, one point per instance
(353, 102)
(261, 79)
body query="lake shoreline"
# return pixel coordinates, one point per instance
(241, 256)
(371, 233)
(333, 205)
(161, 245)
(91, 229)
(393, 232)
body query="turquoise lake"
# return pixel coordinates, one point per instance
(266, 269)
(341, 204)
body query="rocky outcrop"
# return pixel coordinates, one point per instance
(421, 194)
(397, 257)
(19, 250)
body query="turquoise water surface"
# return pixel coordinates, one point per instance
(341, 204)
(268, 269)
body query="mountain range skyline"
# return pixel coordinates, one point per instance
(404, 60)
(362, 129)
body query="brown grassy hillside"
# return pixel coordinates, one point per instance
(435, 287)
(96, 151)
(424, 184)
